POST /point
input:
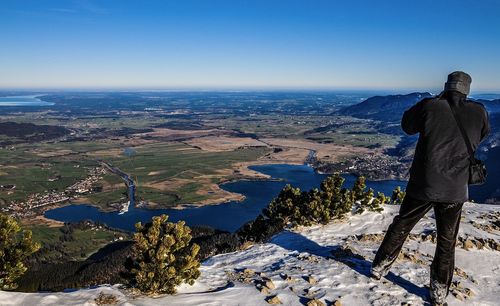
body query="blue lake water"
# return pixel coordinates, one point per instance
(23, 101)
(227, 216)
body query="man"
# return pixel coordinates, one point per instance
(438, 177)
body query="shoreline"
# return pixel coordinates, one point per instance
(232, 197)
(250, 175)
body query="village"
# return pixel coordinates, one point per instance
(35, 203)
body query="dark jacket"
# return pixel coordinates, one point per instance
(440, 168)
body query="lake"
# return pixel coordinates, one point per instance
(23, 101)
(227, 216)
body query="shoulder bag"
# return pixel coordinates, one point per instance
(477, 169)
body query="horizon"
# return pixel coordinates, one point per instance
(377, 91)
(240, 45)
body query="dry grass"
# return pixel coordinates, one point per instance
(41, 220)
(173, 134)
(53, 153)
(106, 299)
(325, 152)
(115, 152)
(223, 143)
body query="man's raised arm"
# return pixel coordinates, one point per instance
(412, 120)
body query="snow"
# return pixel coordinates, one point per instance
(293, 256)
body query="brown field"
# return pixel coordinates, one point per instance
(218, 195)
(242, 169)
(114, 152)
(325, 152)
(41, 220)
(289, 155)
(175, 134)
(167, 185)
(135, 141)
(53, 153)
(223, 143)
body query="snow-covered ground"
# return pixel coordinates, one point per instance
(329, 263)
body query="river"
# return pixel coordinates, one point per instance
(227, 216)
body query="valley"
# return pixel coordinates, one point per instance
(181, 149)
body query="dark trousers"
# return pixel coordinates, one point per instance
(447, 223)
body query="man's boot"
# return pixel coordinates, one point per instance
(381, 269)
(438, 293)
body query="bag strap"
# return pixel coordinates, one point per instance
(464, 134)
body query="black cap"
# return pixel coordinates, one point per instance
(458, 81)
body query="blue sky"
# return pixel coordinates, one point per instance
(201, 44)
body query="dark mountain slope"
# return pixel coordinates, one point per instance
(384, 108)
(493, 106)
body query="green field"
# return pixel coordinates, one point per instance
(78, 245)
(30, 168)
(173, 161)
(32, 173)
(353, 131)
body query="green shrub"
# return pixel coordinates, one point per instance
(14, 249)
(258, 230)
(398, 196)
(286, 207)
(372, 203)
(315, 209)
(163, 257)
(358, 189)
(295, 207)
(337, 199)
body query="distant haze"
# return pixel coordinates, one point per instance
(199, 44)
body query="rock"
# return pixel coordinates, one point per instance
(411, 257)
(458, 296)
(264, 290)
(273, 300)
(479, 245)
(460, 272)
(106, 299)
(248, 272)
(468, 292)
(370, 237)
(311, 293)
(337, 303)
(468, 244)
(315, 302)
(344, 254)
(456, 284)
(311, 280)
(308, 257)
(269, 284)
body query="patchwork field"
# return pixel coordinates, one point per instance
(172, 174)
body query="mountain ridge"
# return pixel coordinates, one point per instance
(384, 108)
